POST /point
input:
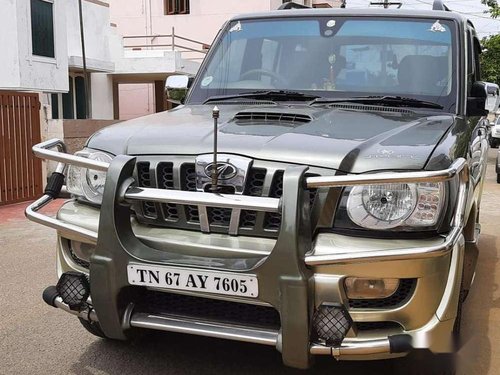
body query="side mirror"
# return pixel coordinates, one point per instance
(492, 90)
(476, 102)
(176, 88)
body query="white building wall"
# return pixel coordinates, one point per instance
(97, 32)
(9, 58)
(102, 96)
(41, 73)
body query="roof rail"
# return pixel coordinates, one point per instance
(439, 5)
(292, 5)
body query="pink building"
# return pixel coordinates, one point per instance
(197, 20)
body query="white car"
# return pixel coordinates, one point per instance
(495, 133)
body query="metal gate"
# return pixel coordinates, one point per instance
(20, 171)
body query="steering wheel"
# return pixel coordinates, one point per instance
(264, 72)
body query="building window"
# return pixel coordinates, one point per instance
(176, 6)
(73, 102)
(42, 28)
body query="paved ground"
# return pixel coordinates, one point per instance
(36, 339)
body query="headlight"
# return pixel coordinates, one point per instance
(86, 182)
(388, 206)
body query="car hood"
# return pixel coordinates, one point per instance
(353, 139)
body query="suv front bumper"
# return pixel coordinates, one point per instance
(297, 273)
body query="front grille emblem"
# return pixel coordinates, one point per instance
(231, 171)
(225, 171)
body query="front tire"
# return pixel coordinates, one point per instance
(93, 327)
(498, 178)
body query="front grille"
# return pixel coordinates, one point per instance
(155, 302)
(401, 296)
(171, 175)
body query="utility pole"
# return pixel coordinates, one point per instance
(84, 59)
(386, 4)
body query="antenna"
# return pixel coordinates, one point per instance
(386, 4)
(215, 173)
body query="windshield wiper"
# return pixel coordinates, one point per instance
(275, 95)
(393, 101)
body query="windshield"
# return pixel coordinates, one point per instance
(333, 57)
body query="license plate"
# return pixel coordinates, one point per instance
(193, 280)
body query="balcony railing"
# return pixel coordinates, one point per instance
(191, 49)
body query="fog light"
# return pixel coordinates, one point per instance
(331, 322)
(362, 288)
(74, 289)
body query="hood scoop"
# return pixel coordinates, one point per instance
(278, 118)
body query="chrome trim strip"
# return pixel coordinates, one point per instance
(392, 254)
(75, 232)
(351, 347)
(204, 222)
(207, 199)
(234, 223)
(354, 347)
(390, 177)
(210, 329)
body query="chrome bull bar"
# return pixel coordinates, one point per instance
(45, 151)
(284, 269)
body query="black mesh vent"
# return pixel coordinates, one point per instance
(401, 295)
(144, 176)
(363, 107)
(369, 326)
(80, 262)
(219, 216)
(209, 309)
(165, 172)
(290, 118)
(165, 175)
(254, 187)
(188, 173)
(272, 220)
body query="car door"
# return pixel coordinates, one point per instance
(478, 151)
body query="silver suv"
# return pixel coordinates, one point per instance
(318, 191)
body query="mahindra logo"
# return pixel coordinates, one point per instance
(225, 171)
(231, 171)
